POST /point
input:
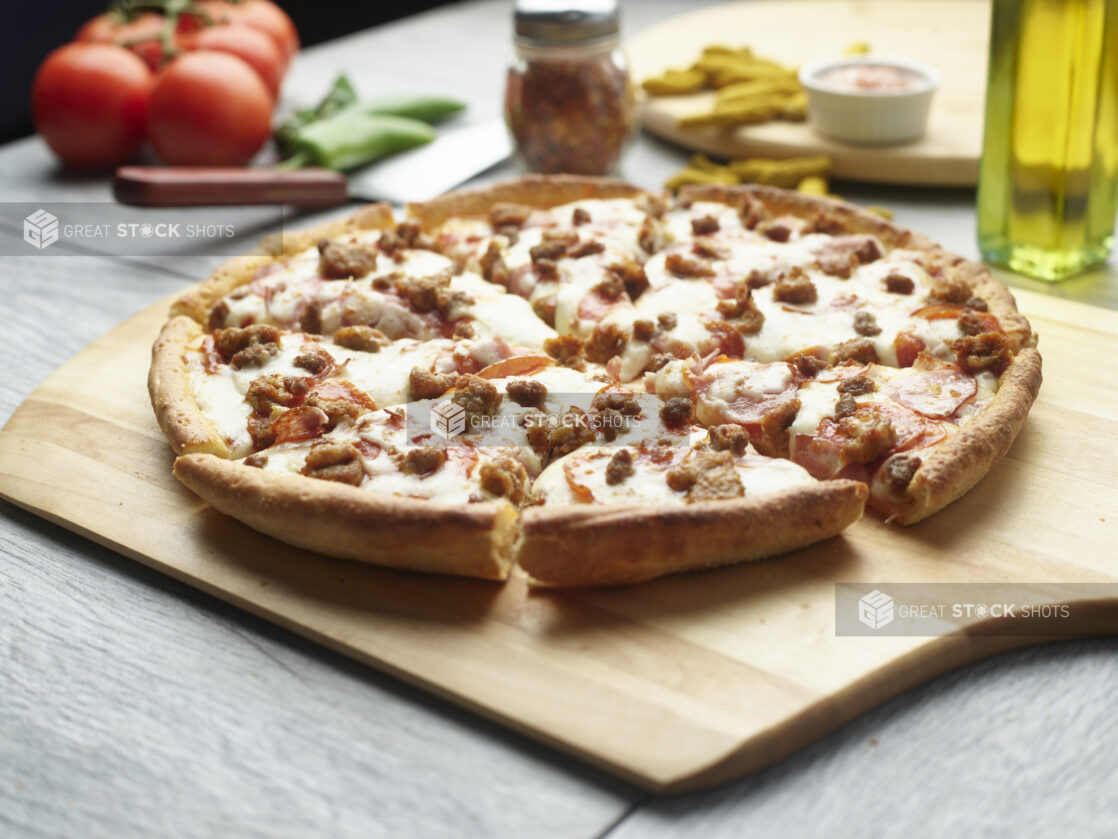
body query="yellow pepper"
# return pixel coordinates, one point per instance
(675, 83)
(884, 212)
(757, 87)
(786, 173)
(690, 175)
(813, 185)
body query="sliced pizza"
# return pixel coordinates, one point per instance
(598, 383)
(629, 513)
(908, 433)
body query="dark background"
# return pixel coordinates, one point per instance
(32, 28)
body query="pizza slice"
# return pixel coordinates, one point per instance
(237, 390)
(633, 512)
(919, 436)
(388, 279)
(385, 487)
(807, 296)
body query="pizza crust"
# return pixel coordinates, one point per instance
(471, 540)
(539, 191)
(184, 425)
(239, 270)
(588, 545)
(956, 465)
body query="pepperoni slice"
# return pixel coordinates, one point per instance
(368, 448)
(844, 303)
(581, 491)
(843, 371)
(944, 311)
(821, 455)
(522, 280)
(337, 389)
(463, 456)
(939, 311)
(907, 347)
(728, 340)
(302, 423)
(480, 356)
(934, 393)
(594, 305)
(755, 389)
(211, 357)
(517, 365)
(911, 428)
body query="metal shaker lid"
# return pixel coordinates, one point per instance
(546, 22)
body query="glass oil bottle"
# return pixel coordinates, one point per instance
(1048, 182)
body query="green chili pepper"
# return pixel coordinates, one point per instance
(353, 138)
(424, 108)
(340, 96)
(342, 133)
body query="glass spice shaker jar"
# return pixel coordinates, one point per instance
(568, 101)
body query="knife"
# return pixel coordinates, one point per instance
(415, 175)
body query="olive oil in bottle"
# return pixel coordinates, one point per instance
(1048, 183)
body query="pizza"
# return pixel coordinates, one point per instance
(588, 382)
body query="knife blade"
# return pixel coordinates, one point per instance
(415, 175)
(422, 173)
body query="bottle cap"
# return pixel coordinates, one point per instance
(547, 22)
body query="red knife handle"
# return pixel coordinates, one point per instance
(190, 186)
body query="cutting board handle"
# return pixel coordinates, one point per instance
(193, 186)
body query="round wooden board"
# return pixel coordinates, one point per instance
(951, 35)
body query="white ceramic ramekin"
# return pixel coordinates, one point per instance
(867, 116)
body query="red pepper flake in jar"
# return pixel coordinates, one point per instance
(568, 101)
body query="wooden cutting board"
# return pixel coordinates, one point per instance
(673, 684)
(951, 35)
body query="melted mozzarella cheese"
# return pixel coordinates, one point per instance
(385, 375)
(673, 379)
(648, 483)
(677, 222)
(817, 401)
(498, 313)
(280, 296)
(217, 398)
(736, 379)
(220, 395)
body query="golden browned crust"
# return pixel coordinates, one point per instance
(952, 468)
(540, 191)
(239, 270)
(589, 545)
(998, 298)
(178, 414)
(854, 219)
(197, 302)
(469, 540)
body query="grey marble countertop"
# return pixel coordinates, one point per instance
(134, 706)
